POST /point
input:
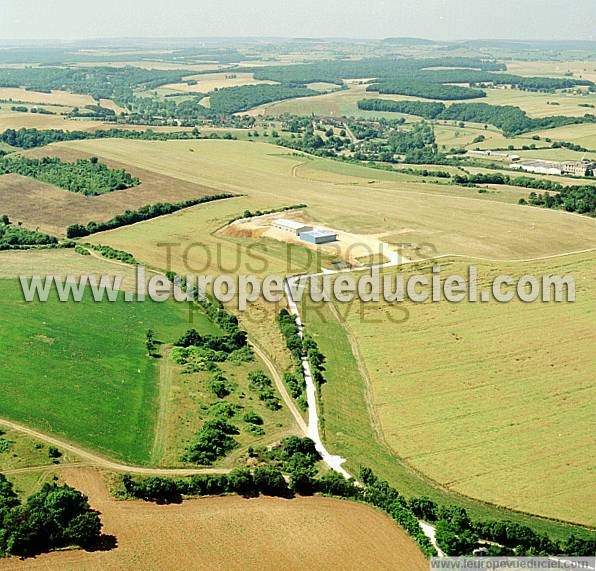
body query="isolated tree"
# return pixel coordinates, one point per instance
(150, 342)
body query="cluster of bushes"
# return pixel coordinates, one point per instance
(300, 347)
(57, 516)
(144, 213)
(580, 199)
(234, 99)
(88, 177)
(14, 237)
(111, 253)
(31, 138)
(259, 382)
(213, 441)
(295, 380)
(510, 119)
(251, 214)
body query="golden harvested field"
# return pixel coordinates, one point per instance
(235, 533)
(413, 212)
(536, 104)
(62, 262)
(55, 97)
(584, 135)
(211, 81)
(580, 69)
(13, 120)
(52, 209)
(338, 103)
(493, 401)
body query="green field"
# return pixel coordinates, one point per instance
(80, 370)
(491, 401)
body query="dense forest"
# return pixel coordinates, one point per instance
(234, 99)
(88, 177)
(57, 516)
(335, 71)
(99, 82)
(427, 89)
(510, 119)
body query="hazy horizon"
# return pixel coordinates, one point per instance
(430, 19)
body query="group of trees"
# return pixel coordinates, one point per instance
(17, 238)
(144, 213)
(438, 83)
(429, 90)
(580, 199)
(294, 380)
(88, 177)
(234, 99)
(111, 253)
(57, 516)
(510, 119)
(299, 348)
(30, 138)
(262, 384)
(213, 441)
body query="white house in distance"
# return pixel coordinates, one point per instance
(292, 226)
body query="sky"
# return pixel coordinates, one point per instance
(433, 19)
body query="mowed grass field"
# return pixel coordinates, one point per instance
(492, 401)
(236, 533)
(80, 370)
(269, 177)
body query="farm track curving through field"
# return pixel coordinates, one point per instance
(102, 461)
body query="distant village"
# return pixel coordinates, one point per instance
(541, 166)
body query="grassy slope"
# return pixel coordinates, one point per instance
(415, 211)
(80, 370)
(436, 409)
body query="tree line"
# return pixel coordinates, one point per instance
(144, 213)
